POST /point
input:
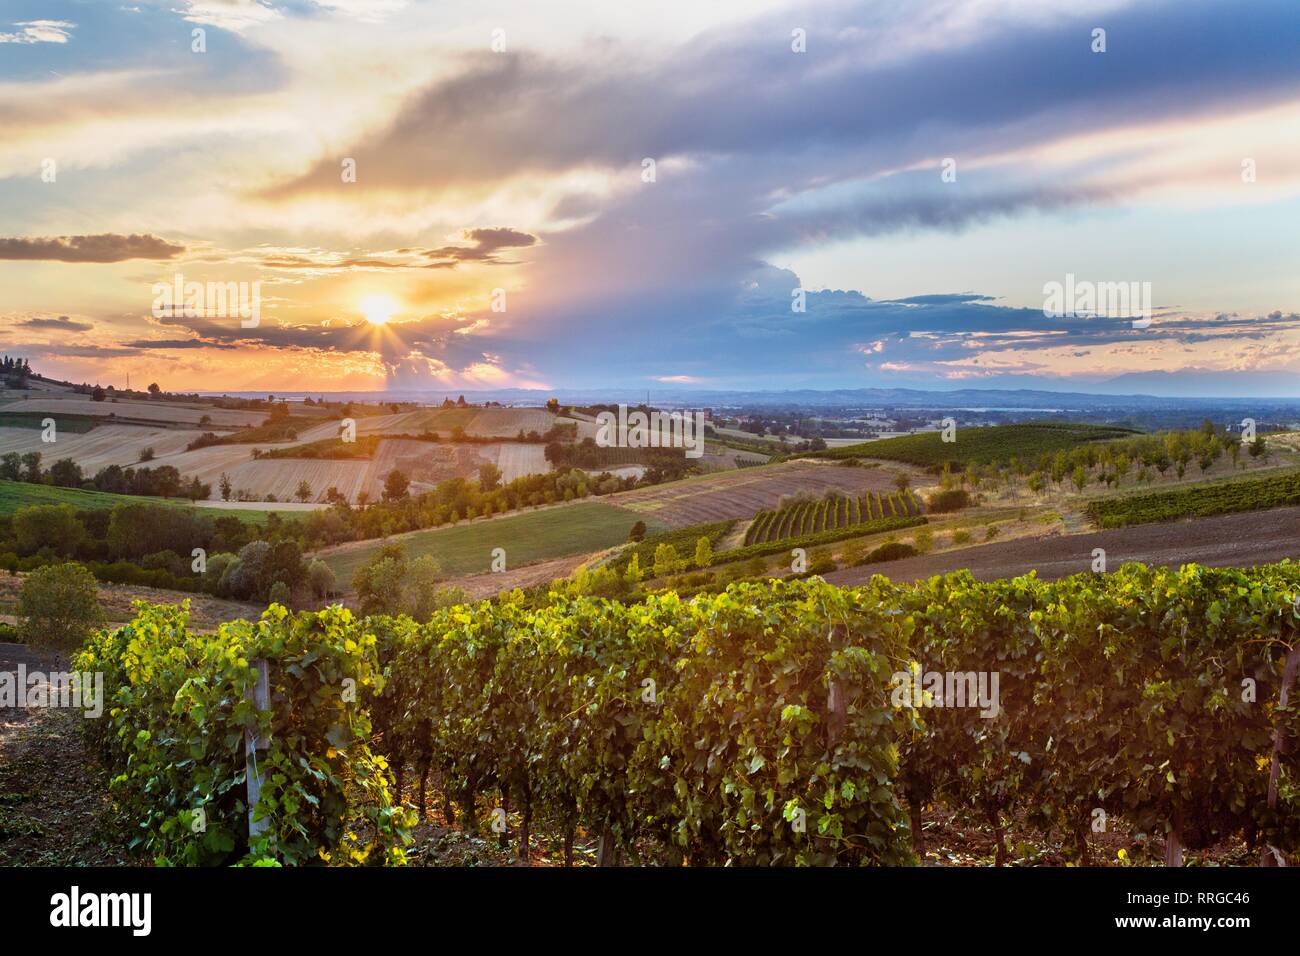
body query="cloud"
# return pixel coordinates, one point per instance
(167, 344)
(61, 324)
(484, 246)
(39, 31)
(233, 15)
(486, 243)
(107, 247)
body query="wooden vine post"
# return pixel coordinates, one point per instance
(837, 716)
(1270, 855)
(254, 740)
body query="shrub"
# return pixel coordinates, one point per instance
(941, 502)
(320, 578)
(58, 606)
(893, 551)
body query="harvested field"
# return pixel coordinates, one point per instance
(516, 460)
(99, 447)
(1238, 540)
(425, 463)
(487, 422)
(280, 477)
(744, 492)
(179, 413)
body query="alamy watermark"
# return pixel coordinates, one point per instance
(917, 688)
(212, 300)
(1081, 298)
(36, 690)
(654, 430)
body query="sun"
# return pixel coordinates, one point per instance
(377, 309)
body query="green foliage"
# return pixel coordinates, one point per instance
(995, 444)
(683, 540)
(890, 551)
(875, 526)
(702, 731)
(58, 606)
(1202, 500)
(55, 528)
(173, 738)
(942, 502)
(319, 578)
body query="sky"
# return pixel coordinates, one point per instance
(740, 194)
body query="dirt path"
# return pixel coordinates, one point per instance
(1239, 540)
(53, 806)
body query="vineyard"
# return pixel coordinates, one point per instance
(1197, 501)
(831, 513)
(993, 445)
(771, 724)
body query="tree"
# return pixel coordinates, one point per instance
(421, 587)
(553, 405)
(54, 527)
(902, 481)
(703, 552)
(66, 473)
(32, 467)
(489, 477)
(146, 454)
(380, 583)
(154, 390)
(638, 532)
(283, 565)
(303, 491)
(280, 594)
(58, 606)
(321, 579)
(226, 487)
(634, 574)
(666, 560)
(396, 485)
(98, 394)
(1080, 477)
(11, 466)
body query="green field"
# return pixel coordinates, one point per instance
(76, 424)
(995, 444)
(529, 537)
(1197, 501)
(20, 494)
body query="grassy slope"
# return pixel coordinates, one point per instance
(529, 537)
(20, 494)
(996, 443)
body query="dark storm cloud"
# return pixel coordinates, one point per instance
(107, 247)
(61, 324)
(740, 91)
